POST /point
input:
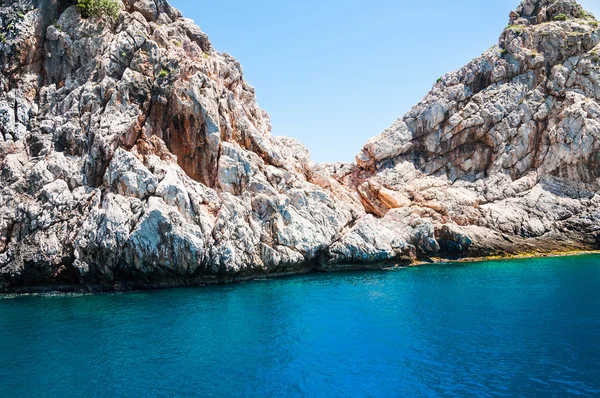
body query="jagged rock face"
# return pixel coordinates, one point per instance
(132, 151)
(133, 154)
(506, 147)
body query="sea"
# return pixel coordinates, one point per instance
(524, 328)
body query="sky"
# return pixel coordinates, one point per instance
(334, 73)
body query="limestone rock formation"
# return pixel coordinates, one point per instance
(133, 154)
(503, 154)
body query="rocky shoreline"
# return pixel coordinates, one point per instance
(136, 286)
(132, 153)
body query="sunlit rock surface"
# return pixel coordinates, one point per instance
(133, 154)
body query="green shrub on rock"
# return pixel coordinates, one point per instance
(101, 9)
(583, 14)
(561, 17)
(517, 29)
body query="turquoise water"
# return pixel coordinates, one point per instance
(511, 328)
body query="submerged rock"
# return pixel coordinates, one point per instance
(133, 154)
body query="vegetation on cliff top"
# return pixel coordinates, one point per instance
(101, 9)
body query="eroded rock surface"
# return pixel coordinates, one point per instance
(505, 151)
(133, 154)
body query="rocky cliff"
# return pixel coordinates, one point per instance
(133, 154)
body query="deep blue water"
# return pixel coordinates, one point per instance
(504, 328)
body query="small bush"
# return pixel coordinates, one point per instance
(2, 38)
(100, 9)
(583, 14)
(517, 29)
(20, 15)
(504, 51)
(163, 74)
(439, 80)
(560, 17)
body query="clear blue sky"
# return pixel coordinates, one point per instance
(334, 73)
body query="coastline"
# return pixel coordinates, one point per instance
(133, 286)
(568, 253)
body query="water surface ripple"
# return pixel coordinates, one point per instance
(504, 328)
